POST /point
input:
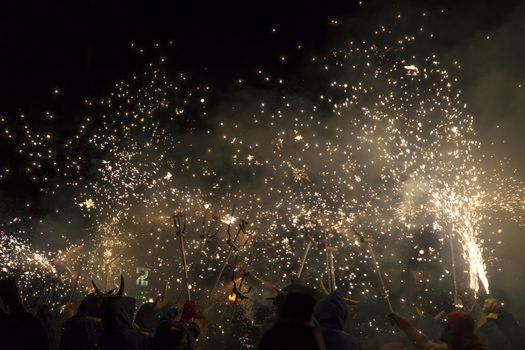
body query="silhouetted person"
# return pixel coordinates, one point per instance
(148, 317)
(31, 334)
(293, 330)
(278, 302)
(50, 324)
(117, 314)
(83, 330)
(457, 333)
(178, 335)
(331, 314)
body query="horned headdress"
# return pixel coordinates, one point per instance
(108, 294)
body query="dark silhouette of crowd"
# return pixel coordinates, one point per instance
(302, 320)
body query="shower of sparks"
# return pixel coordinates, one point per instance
(388, 147)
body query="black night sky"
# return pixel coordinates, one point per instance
(82, 49)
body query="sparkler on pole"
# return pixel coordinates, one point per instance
(310, 239)
(262, 281)
(377, 267)
(75, 284)
(457, 300)
(179, 220)
(205, 236)
(51, 287)
(237, 292)
(330, 263)
(228, 256)
(234, 249)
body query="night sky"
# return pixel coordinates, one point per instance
(81, 50)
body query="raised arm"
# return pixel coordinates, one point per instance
(418, 338)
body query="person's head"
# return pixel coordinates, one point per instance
(148, 316)
(278, 299)
(294, 288)
(116, 309)
(90, 306)
(331, 312)
(457, 327)
(172, 335)
(490, 304)
(298, 305)
(170, 311)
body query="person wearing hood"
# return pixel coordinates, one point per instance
(331, 314)
(457, 333)
(179, 335)
(118, 333)
(49, 322)
(148, 318)
(293, 330)
(83, 330)
(116, 311)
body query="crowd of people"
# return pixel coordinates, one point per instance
(302, 320)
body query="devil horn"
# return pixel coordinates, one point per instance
(163, 297)
(348, 301)
(108, 293)
(323, 288)
(440, 315)
(121, 287)
(419, 312)
(156, 302)
(97, 291)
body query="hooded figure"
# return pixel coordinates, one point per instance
(83, 330)
(331, 314)
(148, 317)
(293, 329)
(178, 335)
(117, 316)
(174, 335)
(117, 312)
